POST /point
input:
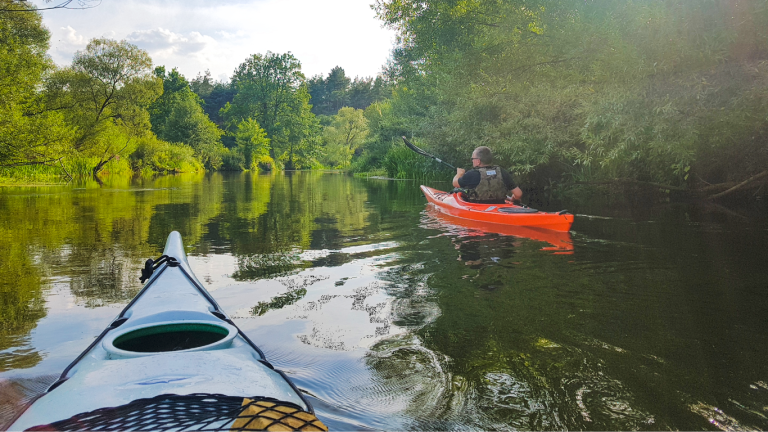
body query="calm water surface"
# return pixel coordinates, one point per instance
(389, 317)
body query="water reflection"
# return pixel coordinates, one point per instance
(560, 242)
(391, 317)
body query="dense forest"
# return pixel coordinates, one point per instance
(671, 94)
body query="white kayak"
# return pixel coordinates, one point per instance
(171, 360)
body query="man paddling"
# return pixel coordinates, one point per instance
(486, 183)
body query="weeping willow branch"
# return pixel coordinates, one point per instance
(23, 6)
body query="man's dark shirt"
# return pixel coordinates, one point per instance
(471, 179)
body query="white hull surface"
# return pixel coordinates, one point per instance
(108, 375)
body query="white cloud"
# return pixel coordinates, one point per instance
(72, 38)
(196, 35)
(161, 39)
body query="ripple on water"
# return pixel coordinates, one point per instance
(717, 418)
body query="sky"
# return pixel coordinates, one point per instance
(218, 35)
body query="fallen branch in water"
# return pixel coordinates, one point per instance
(635, 182)
(740, 185)
(716, 187)
(723, 188)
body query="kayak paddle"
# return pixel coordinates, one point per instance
(423, 153)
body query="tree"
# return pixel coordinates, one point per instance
(177, 116)
(106, 92)
(346, 134)
(188, 124)
(302, 146)
(221, 94)
(329, 94)
(29, 132)
(252, 143)
(203, 84)
(588, 90)
(337, 91)
(269, 91)
(175, 89)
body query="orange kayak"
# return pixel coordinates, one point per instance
(505, 214)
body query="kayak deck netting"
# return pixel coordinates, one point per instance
(196, 412)
(508, 214)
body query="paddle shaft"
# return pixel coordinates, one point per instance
(423, 153)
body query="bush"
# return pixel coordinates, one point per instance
(164, 157)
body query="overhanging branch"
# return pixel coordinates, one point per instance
(66, 4)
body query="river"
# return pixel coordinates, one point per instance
(390, 317)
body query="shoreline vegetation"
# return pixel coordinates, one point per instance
(663, 96)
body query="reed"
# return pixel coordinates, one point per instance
(402, 163)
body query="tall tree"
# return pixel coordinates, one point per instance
(268, 90)
(188, 124)
(177, 116)
(106, 92)
(336, 87)
(202, 85)
(330, 94)
(252, 143)
(29, 132)
(175, 89)
(344, 136)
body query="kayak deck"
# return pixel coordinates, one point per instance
(504, 214)
(116, 371)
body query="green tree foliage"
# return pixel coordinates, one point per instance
(29, 133)
(175, 89)
(345, 135)
(654, 91)
(330, 94)
(177, 116)
(203, 84)
(104, 95)
(365, 91)
(188, 124)
(215, 95)
(252, 143)
(302, 143)
(270, 90)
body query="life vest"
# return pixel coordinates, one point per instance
(491, 187)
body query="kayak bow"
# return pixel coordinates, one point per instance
(172, 359)
(505, 214)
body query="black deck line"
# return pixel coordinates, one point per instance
(63, 376)
(208, 297)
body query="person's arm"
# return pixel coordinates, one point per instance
(517, 193)
(459, 172)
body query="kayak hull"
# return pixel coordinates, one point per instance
(452, 204)
(132, 359)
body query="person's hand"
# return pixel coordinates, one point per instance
(460, 171)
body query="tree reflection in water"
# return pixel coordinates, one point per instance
(391, 318)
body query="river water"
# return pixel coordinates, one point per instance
(390, 317)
